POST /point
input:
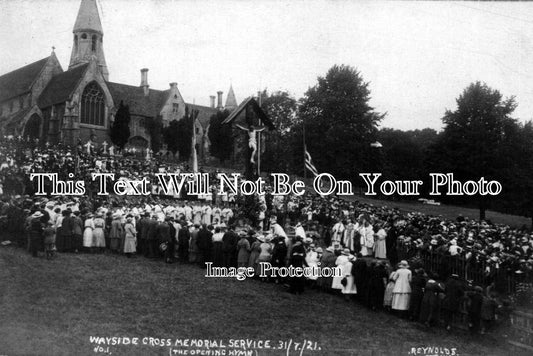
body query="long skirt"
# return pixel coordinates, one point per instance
(263, 259)
(400, 301)
(98, 237)
(60, 239)
(350, 286)
(252, 261)
(114, 244)
(88, 237)
(336, 284)
(380, 249)
(218, 256)
(387, 297)
(77, 242)
(129, 244)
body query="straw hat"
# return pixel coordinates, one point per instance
(404, 264)
(37, 215)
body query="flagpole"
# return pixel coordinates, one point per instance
(305, 148)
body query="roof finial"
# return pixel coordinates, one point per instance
(53, 48)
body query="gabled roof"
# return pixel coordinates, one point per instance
(256, 108)
(20, 80)
(139, 104)
(204, 113)
(88, 17)
(60, 88)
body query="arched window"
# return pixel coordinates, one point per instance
(83, 36)
(93, 45)
(92, 105)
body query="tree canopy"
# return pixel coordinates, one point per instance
(120, 130)
(339, 123)
(220, 136)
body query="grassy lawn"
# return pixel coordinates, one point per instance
(447, 211)
(53, 307)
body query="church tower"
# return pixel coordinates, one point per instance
(88, 38)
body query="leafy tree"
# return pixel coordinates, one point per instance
(171, 135)
(517, 176)
(120, 130)
(155, 128)
(474, 140)
(220, 136)
(339, 123)
(185, 132)
(281, 108)
(178, 134)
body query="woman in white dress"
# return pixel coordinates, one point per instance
(98, 233)
(88, 232)
(312, 258)
(380, 247)
(130, 240)
(401, 294)
(340, 262)
(350, 287)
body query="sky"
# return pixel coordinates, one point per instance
(417, 56)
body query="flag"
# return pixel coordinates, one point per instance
(309, 163)
(193, 151)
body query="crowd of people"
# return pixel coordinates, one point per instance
(230, 231)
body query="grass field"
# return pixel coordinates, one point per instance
(448, 211)
(53, 307)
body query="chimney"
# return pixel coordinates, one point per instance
(144, 81)
(219, 105)
(173, 85)
(259, 98)
(212, 97)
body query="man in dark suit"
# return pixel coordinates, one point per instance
(163, 236)
(229, 247)
(171, 247)
(183, 242)
(151, 237)
(205, 245)
(142, 229)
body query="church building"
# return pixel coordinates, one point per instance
(43, 101)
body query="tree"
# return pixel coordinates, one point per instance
(281, 108)
(339, 123)
(472, 144)
(120, 130)
(171, 136)
(155, 128)
(220, 136)
(517, 177)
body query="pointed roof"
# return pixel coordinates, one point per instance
(61, 87)
(256, 108)
(231, 102)
(20, 80)
(88, 18)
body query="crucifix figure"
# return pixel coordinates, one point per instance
(88, 146)
(104, 145)
(252, 138)
(148, 154)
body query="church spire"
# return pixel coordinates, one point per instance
(88, 38)
(88, 18)
(231, 102)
